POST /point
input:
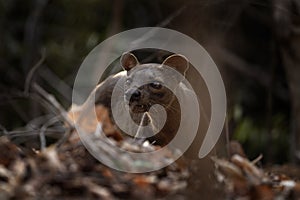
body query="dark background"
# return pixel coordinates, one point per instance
(255, 43)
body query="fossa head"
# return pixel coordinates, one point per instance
(145, 84)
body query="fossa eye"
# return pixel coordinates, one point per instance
(128, 81)
(156, 85)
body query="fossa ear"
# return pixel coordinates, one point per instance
(178, 62)
(128, 61)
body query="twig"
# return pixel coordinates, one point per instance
(30, 32)
(49, 102)
(44, 128)
(61, 111)
(42, 99)
(256, 160)
(65, 137)
(39, 121)
(30, 132)
(3, 129)
(35, 97)
(33, 70)
(50, 98)
(56, 83)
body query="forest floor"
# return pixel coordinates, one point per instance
(68, 171)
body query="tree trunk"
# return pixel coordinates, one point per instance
(287, 28)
